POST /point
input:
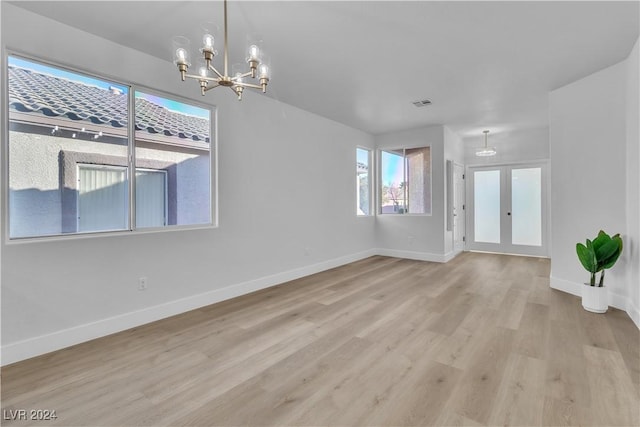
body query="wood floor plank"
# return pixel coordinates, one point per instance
(474, 397)
(614, 399)
(532, 335)
(460, 348)
(565, 374)
(628, 341)
(565, 412)
(520, 397)
(481, 340)
(512, 309)
(596, 331)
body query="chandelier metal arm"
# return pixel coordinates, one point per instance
(208, 88)
(242, 84)
(198, 77)
(247, 74)
(212, 68)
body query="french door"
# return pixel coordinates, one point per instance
(508, 209)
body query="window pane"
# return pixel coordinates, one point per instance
(526, 206)
(392, 199)
(363, 204)
(174, 137)
(486, 193)
(59, 120)
(418, 164)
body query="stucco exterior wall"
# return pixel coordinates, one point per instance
(36, 180)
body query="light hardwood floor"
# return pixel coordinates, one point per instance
(481, 340)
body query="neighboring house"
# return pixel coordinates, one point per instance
(68, 157)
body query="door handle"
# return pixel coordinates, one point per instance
(509, 213)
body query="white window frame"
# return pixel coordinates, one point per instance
(131, 164)
(370, 163)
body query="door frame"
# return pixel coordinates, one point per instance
(459, 246)
(505, 246)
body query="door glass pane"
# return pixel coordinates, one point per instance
(102, 198)
(526, 205)
(486, 192)
(151, 198)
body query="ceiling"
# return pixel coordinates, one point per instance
(484, 65)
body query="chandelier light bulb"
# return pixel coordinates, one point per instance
(181, 55)
(264, 71)
(207, 42)
(254, 51)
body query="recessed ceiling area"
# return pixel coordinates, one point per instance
(363, 63)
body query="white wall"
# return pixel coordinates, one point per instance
(512, 146)
(588, 138)
(632, 241)
(286, 188)
(416, 236)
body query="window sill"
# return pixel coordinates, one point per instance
(103, 234)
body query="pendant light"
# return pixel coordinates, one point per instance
(486, 151)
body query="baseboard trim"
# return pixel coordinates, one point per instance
(43, 344)
(633, 312)
(451, 255)
(418, 256)
(615, 300)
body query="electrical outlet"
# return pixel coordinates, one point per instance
(410, 239)
(142, 284)
(307, 251)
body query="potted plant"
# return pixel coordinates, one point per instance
(597, 256)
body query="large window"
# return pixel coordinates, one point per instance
(363, 179)
(74, 167)
(405, 181)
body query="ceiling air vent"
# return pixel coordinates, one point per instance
(422, 103)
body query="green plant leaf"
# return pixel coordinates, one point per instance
(606, 250)
(611, 260)
(600, 240)
(587, 256)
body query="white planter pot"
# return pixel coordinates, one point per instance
(594, 299)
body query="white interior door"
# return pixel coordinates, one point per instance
(458, 207)
(508, 209)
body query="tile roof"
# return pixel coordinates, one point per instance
(34, 92)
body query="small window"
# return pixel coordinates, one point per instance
(363, 180)
(405, 181)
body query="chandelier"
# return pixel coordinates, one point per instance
(208, 76)
(486, 151)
